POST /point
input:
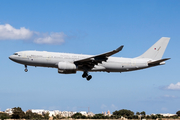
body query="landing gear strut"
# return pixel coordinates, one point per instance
(25, 68)
(85, 75)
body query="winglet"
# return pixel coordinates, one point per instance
(120, 48)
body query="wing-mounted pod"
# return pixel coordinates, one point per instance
(66, 68)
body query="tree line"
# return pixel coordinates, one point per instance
(19, 114)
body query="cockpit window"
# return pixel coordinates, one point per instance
(15, 53)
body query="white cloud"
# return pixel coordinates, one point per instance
(169, 96)
(113, 107)
(164, 109)
(53, 38)
(174, 86)
(74, 108)
(103, 107)
(7, 32)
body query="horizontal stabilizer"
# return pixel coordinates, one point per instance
(157, 62)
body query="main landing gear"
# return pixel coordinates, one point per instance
(25, 68)
(85, 75)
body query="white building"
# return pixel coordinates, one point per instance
(54, 113)
(83, 113)
(167, 114)
(9, 111)
(106, 114)
(90, 114)
(39, 111)
(67, 113)
(61, 113)
(57, 112)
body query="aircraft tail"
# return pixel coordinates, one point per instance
(156, 51)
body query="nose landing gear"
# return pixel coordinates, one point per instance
(85, 75)
(25, 68)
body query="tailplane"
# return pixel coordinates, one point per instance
(156, 51)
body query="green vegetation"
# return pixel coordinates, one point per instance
(30, 115)
(178, 113)
(78, 116)
(125, 113)
(100, 116)
(19, 114)
(4, 116)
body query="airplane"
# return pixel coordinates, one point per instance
(68, 63)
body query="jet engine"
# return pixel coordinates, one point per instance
(66, 68)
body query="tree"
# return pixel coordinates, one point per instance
(153, 116)
(143, 113)
(46, 115)
(4, 116)
(30, 115)
(100, 116)
(124, 113)
(137, 113)
(17, 113)
(159, 116)
(57, 116)
(78, 116)
(178, 113)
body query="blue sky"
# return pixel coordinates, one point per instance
(89, 27)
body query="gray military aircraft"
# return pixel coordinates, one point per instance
(67, 63)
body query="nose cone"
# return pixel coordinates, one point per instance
(14, 58)
(11, 57)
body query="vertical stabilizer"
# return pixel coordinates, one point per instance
(157, 50)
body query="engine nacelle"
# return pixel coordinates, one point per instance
(66, 68)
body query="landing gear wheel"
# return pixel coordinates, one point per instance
(89, 77)
(25, 70)
(85, 75)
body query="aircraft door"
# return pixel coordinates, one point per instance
(24, 55)
(48, 57)
(133, 63)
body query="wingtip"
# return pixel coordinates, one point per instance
(120, 48)
(168, 58)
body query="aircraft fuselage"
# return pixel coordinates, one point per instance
(51, 59)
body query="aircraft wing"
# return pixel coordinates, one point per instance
(94, 60)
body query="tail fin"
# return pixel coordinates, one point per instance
(156, 51)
